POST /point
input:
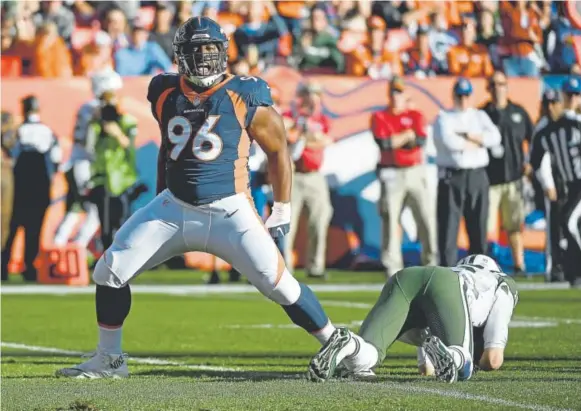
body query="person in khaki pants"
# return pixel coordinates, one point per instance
(7, 193)
(310, 187)
(400, 134)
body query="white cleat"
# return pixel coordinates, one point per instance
(100, 365)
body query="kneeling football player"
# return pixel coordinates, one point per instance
(434, 301)
(492, 298)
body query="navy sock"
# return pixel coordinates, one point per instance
(307, 312)
(113, 305)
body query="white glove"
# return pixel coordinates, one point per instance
(278, 223)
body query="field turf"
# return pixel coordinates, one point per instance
(237, 351)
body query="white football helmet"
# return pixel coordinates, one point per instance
(482, 260)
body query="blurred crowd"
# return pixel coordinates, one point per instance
(376, 38)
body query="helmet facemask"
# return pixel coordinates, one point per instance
(202, 63)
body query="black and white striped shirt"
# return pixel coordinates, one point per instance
(561, 140)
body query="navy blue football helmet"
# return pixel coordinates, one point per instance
(201, 67)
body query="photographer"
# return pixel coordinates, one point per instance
(113, 184)
(310, 127)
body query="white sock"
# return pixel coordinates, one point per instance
(363, 359)
(110, 340)
(325, 333)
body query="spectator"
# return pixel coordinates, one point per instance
(400, 134)
(318, 48)
(95, 56)
(462, 136)
(469, 59)
(400, 13)
(183, 12)
(115, 25)
(199, 6)
(559, 48)
(310, 187)
(374, 59)
(419, 60)
(37, 155)
(7, 193)
(54, 11)
(441, 39)
(51, 56)
(141, 57)
(507, 167)
(163, 32)
(488, 36)
(264, 34)
(293, 12)
(351, 15)
(522, 36)
(111, 142)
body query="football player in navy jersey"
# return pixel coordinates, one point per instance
(207, 119)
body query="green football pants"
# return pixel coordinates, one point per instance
(419, 297)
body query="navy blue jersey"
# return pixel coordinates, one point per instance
(204, 135)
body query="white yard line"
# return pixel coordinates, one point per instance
(139, 360)
(405, 387)
(203, 289)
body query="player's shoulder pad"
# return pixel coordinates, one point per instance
(253, 90)
(160, 83)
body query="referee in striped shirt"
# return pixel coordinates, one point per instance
(560, 142)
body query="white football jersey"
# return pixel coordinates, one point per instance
(491, 301)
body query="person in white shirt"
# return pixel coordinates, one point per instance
(462, 137)
(78, 168)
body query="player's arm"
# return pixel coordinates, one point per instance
(267, 129)
(496, 330)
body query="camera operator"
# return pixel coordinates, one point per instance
(113, 185)
(78, 167)
(310, 189)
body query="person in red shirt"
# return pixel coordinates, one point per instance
(309, 127)
(400, 133)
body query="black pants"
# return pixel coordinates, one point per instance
(462, 193)
(113, 212)
(555, 234)
(28, 215)
(571, 228)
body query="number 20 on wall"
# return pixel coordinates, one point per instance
(206, 145)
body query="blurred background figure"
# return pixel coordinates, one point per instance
(55, 12)
(400, 134)
(310, 189)
(77, 169)
(506, 168)
(163, 32)
(114, 183)
(318, 45)
(36, 158)
(141, 56)
(523, 37)
(7, 193)
(462, 136)
(469, 59)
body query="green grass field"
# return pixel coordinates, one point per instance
(237, 351)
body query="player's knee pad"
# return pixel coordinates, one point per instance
(104, 275)
(287, 291)
(466, 364)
